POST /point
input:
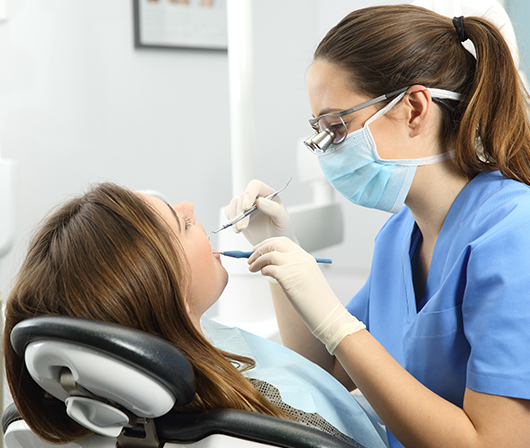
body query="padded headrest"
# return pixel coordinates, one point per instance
(156, 357)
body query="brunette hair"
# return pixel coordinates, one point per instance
(385, 48)
(108, 256)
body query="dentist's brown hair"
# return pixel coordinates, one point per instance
(385, 48)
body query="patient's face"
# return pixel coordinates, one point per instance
(209, 277)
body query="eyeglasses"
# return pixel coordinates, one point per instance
(330, 128)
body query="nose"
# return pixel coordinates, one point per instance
(185, 209)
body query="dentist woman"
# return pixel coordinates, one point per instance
(438, 338)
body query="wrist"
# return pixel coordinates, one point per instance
(336, 326)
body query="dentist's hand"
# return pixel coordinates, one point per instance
(306, 288)
(270, 220)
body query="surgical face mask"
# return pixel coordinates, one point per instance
(355, 169)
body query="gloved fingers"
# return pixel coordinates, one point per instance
(246, 199)
(255, 189)
(282, 268)
(238, 209)
(279, 244)
(231, 212)
(284, 253)
(272, 272)
(235, 208)
(244, 202)
(268, 259)
(231, 208)
(241, 225)
(274, 209)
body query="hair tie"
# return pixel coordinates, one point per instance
(458, 23)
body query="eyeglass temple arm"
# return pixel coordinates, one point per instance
(380, 98)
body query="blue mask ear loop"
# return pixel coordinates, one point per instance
(424, 160)
(377, 115)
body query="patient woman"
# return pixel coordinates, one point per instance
(125, 257)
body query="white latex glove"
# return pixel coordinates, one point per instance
(270, 220)
(305, 286)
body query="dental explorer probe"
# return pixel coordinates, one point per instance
(251, 210)
(241, 254)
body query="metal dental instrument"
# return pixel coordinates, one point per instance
(241, 254)
(251, 210)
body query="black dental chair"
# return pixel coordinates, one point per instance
(123, 384)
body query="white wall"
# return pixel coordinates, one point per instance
(519, 11)
(79, 104)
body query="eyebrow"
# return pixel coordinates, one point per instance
(175, 215)
(328, 110)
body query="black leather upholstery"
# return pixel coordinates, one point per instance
(244, 425)
(155, 356)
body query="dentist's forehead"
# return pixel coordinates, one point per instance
(329, 89)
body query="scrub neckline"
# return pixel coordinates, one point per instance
(432, 284)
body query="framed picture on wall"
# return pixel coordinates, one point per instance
(195, 24)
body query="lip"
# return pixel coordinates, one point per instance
(218, 256)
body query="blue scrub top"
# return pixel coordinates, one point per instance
(472, 327)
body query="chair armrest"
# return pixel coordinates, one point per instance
(177, 427)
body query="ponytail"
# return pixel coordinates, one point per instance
(494, 129)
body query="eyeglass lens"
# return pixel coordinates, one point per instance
(334, 125)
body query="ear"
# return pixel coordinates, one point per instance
(418, 105)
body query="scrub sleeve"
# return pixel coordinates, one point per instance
(472, 327)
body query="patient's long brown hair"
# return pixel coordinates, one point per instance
(107, 255)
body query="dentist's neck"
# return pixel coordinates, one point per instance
(433, 191)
